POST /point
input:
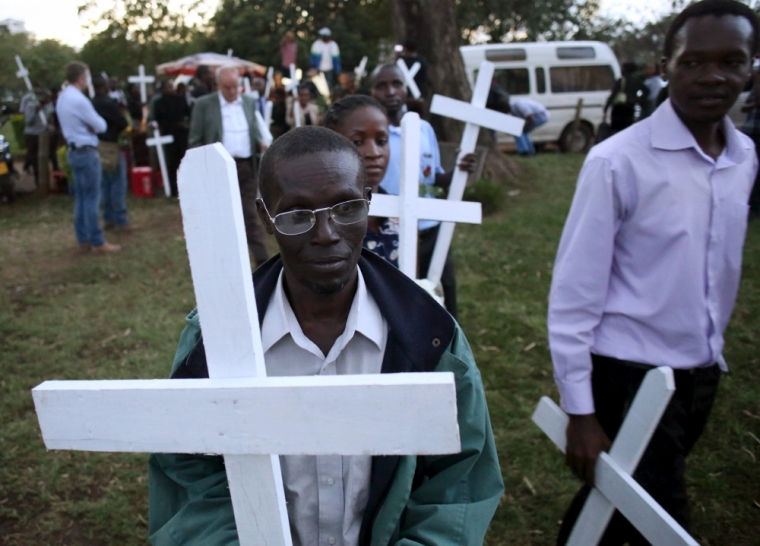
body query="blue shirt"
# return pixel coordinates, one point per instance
(430, 163)
(79, 121)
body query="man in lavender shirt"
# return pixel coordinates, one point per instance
(650, 258)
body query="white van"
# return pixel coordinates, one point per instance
(556, 74)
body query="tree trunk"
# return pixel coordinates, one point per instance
(433, 24)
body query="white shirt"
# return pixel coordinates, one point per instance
(326, 495)
(649, 262)
(327, 50)
(79, 121)
(236, 136)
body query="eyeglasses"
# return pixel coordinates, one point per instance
(296, 222)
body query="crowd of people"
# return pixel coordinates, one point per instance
(646, 274)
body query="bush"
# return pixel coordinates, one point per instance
(486, 192)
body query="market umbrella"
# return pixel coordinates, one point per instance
(188, 65)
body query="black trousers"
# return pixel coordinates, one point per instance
(425, 249)
(661, 470)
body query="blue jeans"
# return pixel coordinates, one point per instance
(523, 142)
(114, 187)
(85, 167)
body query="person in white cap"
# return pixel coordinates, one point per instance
(325, 55)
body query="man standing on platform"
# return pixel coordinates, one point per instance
(648, 267)
(80, 125)
(230, 118)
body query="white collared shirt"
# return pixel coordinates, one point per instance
(326, 495)
(649, 262)
(236, 136)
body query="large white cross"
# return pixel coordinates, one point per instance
(409, 207)
(292, 88)
(158, 141)
(23, 73)
(475, 115)
(142, 79)
(238, 412)
(409, 74)
(614, 487)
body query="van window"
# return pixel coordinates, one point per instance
(506, 54)
(575, 79)
(577, 52)
(540, 80)
(514, 80)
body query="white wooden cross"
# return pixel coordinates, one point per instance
(23, 73)
(142, 79)
(409, 74)
(158, 141)
(245, 83)
(475, 115)
(409, 207)
(238, 412)
(614, 487)
(292, 88)
(270, 82)
(90, 88)
(361, 70)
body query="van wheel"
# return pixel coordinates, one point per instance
(575, 139)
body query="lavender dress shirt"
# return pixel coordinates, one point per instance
(649, 262)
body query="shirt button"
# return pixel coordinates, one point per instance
(436, 342)
(331, 540)
(330, 481)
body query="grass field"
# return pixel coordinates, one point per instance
(68, 316)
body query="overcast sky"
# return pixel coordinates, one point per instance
(59, 19)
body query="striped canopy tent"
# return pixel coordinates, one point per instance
(188, 65)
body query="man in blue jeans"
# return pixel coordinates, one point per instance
(80, 125)
(535, 114)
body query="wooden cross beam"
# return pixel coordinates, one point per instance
(475, 115)
(615, 488)
(409, 74)
(90, 88)
(23, 73)
(158, 141)
(409, 208)
(142, 79)
(238, 412)
(270, 82)
(361, 70)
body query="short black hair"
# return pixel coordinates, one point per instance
(381, 67)
(295, 143)
(716, 8)
(74, 71)
(411, 45)
(99, 83)
(338, 110)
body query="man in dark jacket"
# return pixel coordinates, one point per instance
(328, 308)
(172, 113)
(114, 177)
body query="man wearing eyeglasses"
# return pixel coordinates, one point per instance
(329, 308)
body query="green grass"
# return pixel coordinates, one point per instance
(67, 316)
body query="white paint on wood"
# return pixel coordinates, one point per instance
(245, 84)
(142, 80)
(90, 88)
(409, 74)
(312, 415)
(615, 488)
(268, 112)
(474, 114)
(442, 210)
(264, 133)
(361, 70)
(23, 73)
(408, 194)
(292, 88)
(158, 141)
(270, 82)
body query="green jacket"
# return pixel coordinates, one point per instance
(206, 121)
(431, 500)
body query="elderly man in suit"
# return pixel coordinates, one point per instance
(229, 117)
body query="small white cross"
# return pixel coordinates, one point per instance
(409, 207)
(142, 79)
(615, 488)
(409, 74)
(238, 412)
(361, 70)
(270, 82)
(292, 88)
(90, 88)
(475, 115)
(158, 141)
(229, 52)
(23, 73)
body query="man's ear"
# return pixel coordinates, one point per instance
(263, 216)
(664, 68)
